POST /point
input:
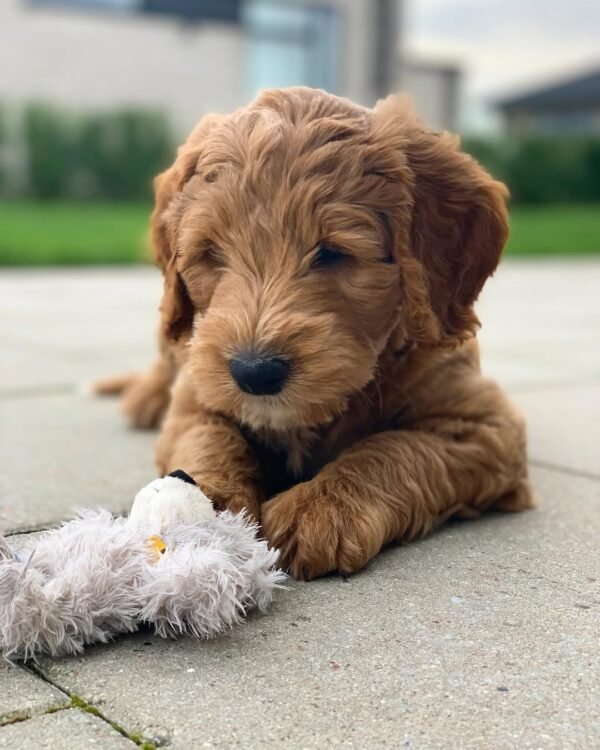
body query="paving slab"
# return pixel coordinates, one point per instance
(564, 426)
(541, 323)
(483, 635)
(65, 730)
(65, 452)
(68, 325)
(23, 694)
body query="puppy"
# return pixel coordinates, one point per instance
(321, 261)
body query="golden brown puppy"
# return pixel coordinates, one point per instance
(321, 261)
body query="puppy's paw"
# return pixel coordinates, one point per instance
(318, 532)
(113, 385)
(521, 498)
(234, 502)
(145, 401)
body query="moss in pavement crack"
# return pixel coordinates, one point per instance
(24, 714)
(78, 702)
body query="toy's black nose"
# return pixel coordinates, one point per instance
(181, 474)
(259, 374)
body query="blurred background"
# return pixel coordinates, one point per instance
(96, 94)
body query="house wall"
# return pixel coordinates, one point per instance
(92, 59)
(434, 90)
(84, 59)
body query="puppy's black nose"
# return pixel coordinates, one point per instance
(259, 374)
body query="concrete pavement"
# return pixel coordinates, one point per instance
(484, 635)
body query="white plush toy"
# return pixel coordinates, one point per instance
(174, 500)
(174, 563)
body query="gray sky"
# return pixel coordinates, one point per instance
(505, 45)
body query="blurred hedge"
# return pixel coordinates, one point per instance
(112, 155)
(2, 146)
(543, 169)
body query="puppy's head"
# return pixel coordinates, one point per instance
(301, 236)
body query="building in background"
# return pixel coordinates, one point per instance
(570, 107)
(193, 56)
(435, 90)
(188, 57)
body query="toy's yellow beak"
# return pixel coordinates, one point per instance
(157, 546)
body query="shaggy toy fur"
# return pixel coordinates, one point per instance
(96, 576)
(386, 426)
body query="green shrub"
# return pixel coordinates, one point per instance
(51, 148)
(494, 155)
(122, 151)
(2, 145)
(543, 169)
(592, 168)
(111, 155)
(549, 170)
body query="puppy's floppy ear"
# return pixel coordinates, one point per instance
(458, 228)
(176, 307)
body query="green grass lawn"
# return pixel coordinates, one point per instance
(68, 233)
(554, 230)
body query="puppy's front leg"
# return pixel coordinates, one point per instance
(212, 450)
(395, 485)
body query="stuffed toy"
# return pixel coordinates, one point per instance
(174, 563)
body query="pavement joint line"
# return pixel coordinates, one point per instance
(551, 466)
(38, 391)
(19, 716)
(522, 388)
(590, 600)
(79, 703)
(46, 527)
(33, 529)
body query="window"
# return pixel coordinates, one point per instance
(195, 10)
(290, 45)
(122, 5)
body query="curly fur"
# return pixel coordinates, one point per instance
(94, 578)
(386, 426)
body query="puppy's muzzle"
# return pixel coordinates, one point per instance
(259, 374)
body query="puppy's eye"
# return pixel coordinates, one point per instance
(325, 256)
(212, 254)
